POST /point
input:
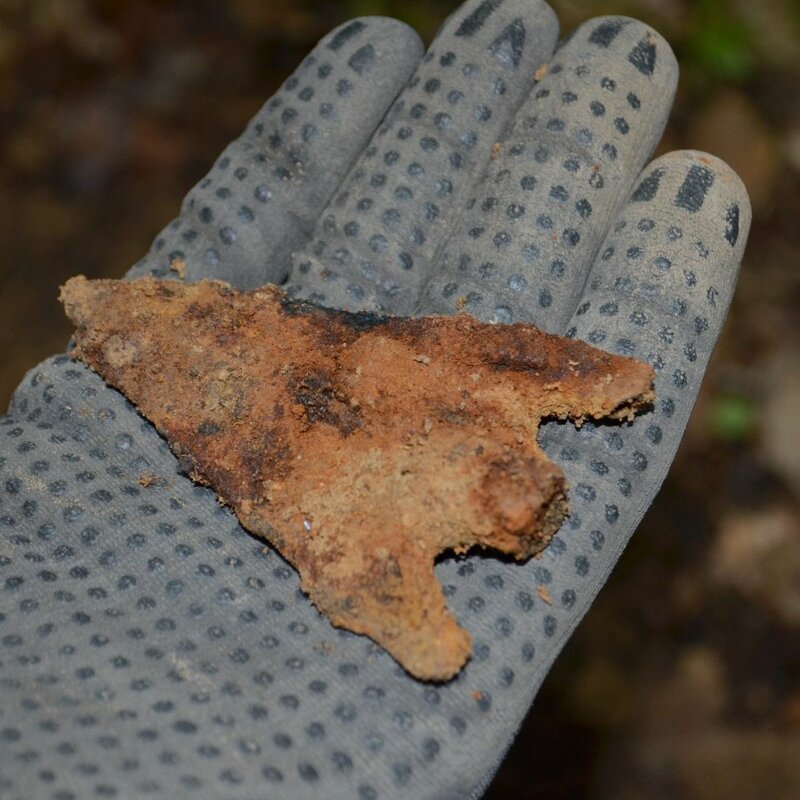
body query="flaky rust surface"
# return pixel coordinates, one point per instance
(360, 446)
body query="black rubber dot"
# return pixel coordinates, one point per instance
(272, 774)
(468, 139)
(373, 742)
(476, 604)
(429, 144)
(227, 235)
(557, 268)
(402, 773)
(262, 193)
(494, 581)
(282, 741)
(502, 240)
(584, 208)
(307, 772)
(342, 762)
(610, 151)
(517, 283)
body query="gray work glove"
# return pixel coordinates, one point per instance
(149, 647)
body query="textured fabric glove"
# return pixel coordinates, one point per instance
(149, 647)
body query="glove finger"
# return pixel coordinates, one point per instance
(374, 244)
(523, 248)
(260, 200)
(659, 291)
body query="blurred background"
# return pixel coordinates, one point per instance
(684, 680)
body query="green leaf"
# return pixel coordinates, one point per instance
(732, 418)
(721, 43)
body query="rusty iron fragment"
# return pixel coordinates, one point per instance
(360, 446)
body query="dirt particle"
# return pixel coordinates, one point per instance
(178, 266)
(147, 479)
(544, 593)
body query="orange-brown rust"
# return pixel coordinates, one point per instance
(360, 446)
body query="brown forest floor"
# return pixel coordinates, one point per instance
(684, 680)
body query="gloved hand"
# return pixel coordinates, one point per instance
(148, 646)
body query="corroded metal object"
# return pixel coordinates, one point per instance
(360, 446)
